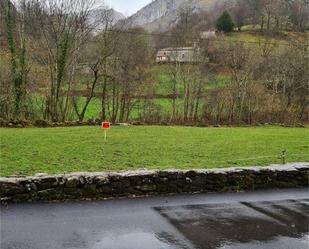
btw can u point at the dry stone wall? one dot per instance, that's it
(142, 183)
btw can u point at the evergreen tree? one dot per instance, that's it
(225, 23)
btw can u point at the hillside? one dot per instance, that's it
(99, 17)
(161, 15)
(154, 11)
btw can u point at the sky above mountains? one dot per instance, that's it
(127, 7)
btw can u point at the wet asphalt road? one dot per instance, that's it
(268, 219)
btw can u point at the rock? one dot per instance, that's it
(161, 180)
(41, 123)
(41, 175)
(73, 182)
(82, 180)
(31, 187)
(90, 189)
(136, 180)
(89, 179)
(106, 190)
(148, 187)
(49, 194)
(101, 180)
(174, 175)
(122, 124)
(147, 180)
(11, 189)
(61, 181)
(163, 174)
(117, 185)
(188, 180)
(73, 193)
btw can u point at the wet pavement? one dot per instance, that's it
(263, 219)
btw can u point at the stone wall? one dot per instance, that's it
(143, 183)
(97, 122)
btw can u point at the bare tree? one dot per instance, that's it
(239, 61)
(129, 72)
(299, 14)
(240, 14)
(64, 29)
(98, 60)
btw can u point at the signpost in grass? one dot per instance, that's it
(106, 126)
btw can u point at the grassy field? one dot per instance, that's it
(59, 150)
(251, 36)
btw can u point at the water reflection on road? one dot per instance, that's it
(277, 225)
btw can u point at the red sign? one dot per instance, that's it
(106, 125)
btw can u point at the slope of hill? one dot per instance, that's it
(154, 11)
(161, 15)
(101, 15)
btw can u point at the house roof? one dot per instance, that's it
(177, 49)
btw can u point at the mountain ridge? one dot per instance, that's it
(160, 15)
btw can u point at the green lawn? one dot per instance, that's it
(59, 150)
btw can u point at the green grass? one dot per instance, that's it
(93, 110)
(59, 150)
(283, 38)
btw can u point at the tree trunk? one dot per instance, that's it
(104, 98)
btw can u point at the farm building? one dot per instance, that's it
(183, 55)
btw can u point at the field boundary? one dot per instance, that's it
(97, 122)
(79, 186)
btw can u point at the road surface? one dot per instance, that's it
(265, 219)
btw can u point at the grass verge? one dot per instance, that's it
(60, 150)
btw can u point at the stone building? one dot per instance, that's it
(182, 55)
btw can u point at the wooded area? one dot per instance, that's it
(55, 63)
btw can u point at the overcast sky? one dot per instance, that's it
(127, 7)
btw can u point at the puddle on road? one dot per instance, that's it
(243, 225)
(140, 240)
(279, 242)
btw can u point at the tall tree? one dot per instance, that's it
(225, 23)
(98, 59)
(17, 46)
